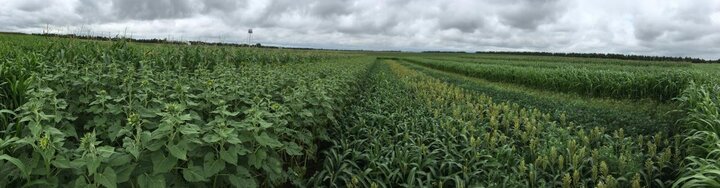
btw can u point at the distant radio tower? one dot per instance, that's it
(250, 36)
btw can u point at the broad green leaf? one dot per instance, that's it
(108, 178)
(42, 182)
(264, 124)
(213, 167)
(26, 119)
(155, 145)
(161, 163)
(293, 149)
(243, 178)
(188, 129)
(35, 129)
(256, 159)
(147, 113)
(178, 151)
(228, 113)
(119, 159)
(211, 138)
(224, 132)
(265, 140)
(240, 150)
(54, 131)
(193, 174)
(92, 163)
(306, 113)
(244, 182)
(105, 151)
(80, 182)
(124, 172)
(233, 140)
(163, 130)
(147, 181)
(229, 156)
(273, 164)
(61, 162)
(131, 147)
(185, 117)
(113, 109)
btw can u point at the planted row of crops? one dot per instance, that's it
(117, 115)
(616, 66)
(575, 60)
(635, 117)
(662, 86)
(701, 103)
(413, 130)
(100, 114)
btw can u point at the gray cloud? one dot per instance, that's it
(32, 5)
(155, 9)
(530, 14)
(462, 17)
(684, 28)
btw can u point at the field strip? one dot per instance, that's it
(634, 116)
(609, 66)
(551, 63)
(661, 86)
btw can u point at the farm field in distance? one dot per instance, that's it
(92, 113)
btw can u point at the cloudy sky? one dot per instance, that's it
(650, 27)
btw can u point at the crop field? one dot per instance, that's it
(89, 113)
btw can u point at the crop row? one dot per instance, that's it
(117, 115)
(579, 60)
(660, 86)
(701, 103)
(635, 117)
(560, 63)
(412, 130)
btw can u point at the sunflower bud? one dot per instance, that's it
(44, 141)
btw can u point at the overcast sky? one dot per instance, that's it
(651, 27)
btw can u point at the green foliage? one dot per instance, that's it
(620, 83)
(412, 130)
(635, 117)
(118, 114)
(702, 165)
(15, 80)
(93, 114)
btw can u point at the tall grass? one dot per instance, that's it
(15, 80)
(702, 166)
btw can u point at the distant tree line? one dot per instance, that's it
(454, 52)
(607, 55)
(165, 41)
(154, 40)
